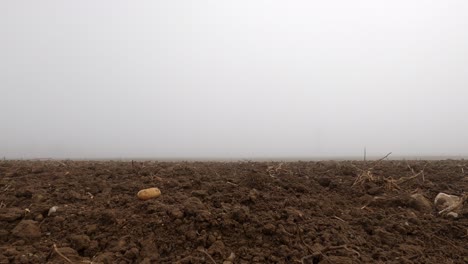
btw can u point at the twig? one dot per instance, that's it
(233, 184)
(336, 217)
(209, 256)
(61, 255)
(6, 188)
(379, 160)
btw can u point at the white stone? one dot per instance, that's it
(443, 201)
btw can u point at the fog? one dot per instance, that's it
(233, 79)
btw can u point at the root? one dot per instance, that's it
(345, 247)
(330, 248)
(309, 249)
(208, 255)
(61, 255)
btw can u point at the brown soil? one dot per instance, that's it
(244, 212)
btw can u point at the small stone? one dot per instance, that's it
(39, 217)
(52, 210)
(443, 201)
(231, 257)
(38, 198)
(453, 214)
(253, 195)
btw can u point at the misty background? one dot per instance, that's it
(233, 79)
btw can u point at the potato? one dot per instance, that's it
(149, 193)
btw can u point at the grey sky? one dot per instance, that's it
(233, 79)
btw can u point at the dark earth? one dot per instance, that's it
(231, 212)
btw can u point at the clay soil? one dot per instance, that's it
(240, 212)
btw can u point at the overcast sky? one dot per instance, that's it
(233, 79)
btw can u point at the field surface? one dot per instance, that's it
(239, 212)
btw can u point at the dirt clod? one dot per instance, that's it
(28, 229)
(80, 242)
(420, 203)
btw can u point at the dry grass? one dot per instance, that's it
(389, 183)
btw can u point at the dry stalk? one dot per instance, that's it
(392, 184)
(275, 171)
(215, 172)
(365, 176)
(405, 179)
